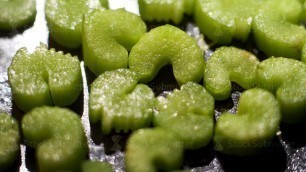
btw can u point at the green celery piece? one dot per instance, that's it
(149, 150)
(165, 10)
(162, 10)
(120, 102)
(45, 77)
(167, 45)
(108, 36)
(16, 13)
(65, 18)
(256, 122)
(188, 113)
(303, 58)
(96, 166)
(226, 65)
(276, 31)
(189, 6)
(9, 144)
(58, 136)
(287, 79)
(224, 20)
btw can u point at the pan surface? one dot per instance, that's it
(287, 152)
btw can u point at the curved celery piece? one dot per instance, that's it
(286, 78)
(226, 65)
(165, 10)
(167, 45)
(151, 149)
(96, 166)
(108, 36)
(64, 19)
(189, 114)
(9, 145)
(120, 102)
(303, 58)
(223, 20)
(256, 122)
(58, 136)
(16, 13)
(45, 77)
(189, 6)
(276, 31)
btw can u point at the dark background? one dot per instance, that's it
(285, 153)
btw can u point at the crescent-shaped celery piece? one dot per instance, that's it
(276, 31)
(224, 20)
(287, 79)
(58, 136)
(167, 45)
(188, 113)
(165, 10)
(44, 77)
(65, 18)
(16, 13)
(108, 36)
(226, 65)
(189, 6)
(96, 166)
(149, 150)
(120, 102)
(9, 144)
(256, 122)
